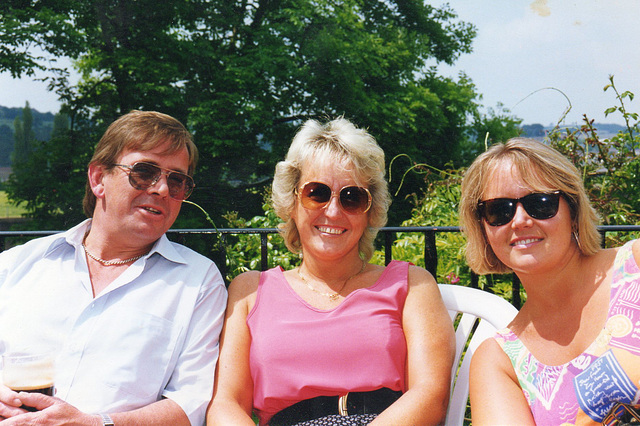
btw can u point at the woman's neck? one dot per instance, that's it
(572, 284)
(333, 273)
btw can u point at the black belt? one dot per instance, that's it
(373, 402)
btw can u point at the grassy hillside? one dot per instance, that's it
(9, 210)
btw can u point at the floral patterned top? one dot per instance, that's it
(582, 391)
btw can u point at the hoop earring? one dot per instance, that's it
(575, 237)
(487, 259)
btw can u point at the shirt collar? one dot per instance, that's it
(75, 236)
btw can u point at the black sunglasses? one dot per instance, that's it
(316, 195)
(538, 205)
(144, 175)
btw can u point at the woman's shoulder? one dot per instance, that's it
(613, 259)
(622, 253)
(636, 250)
(420, 276)
(423, 286)
(490, 350)
(244, 285)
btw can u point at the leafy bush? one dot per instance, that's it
(610, 167)
(243, 250)
(438, 206)
(611, 172)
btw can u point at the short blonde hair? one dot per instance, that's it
(343, 143)
(543, 169)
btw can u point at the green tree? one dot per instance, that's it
(31, 29)
(610, 170)
(243, 76)
(61, 125)
(497, 125)
(51, 182)
(6, 145)
(24, 136)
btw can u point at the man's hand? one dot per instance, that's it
(51, 411)
(9, 403)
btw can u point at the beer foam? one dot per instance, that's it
(33, 374)
(19, 388)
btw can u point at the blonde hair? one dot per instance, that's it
(343, 143)
(541, 168)
(139, 131)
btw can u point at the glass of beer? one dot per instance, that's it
(29, 372)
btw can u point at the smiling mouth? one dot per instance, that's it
(526, 241)
(152, 210)
(328, 230)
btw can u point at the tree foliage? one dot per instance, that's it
(31, 29)
(51, 181)
(6, 145)
(610, 167)
(24, 136)
(243, 75)
(611, 174)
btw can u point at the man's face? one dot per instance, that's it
(139, 217)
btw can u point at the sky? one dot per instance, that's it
(535, 57)
(525, 47)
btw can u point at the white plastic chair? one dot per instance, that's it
(470, 305)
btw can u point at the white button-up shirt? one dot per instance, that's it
(152, 333)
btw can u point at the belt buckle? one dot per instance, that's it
(342, 405)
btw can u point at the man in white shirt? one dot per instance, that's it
(135, 318)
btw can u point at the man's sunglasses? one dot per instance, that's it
(538, 205)
(144, 175)
(316, 195)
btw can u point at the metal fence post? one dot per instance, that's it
(431, 253)
(389, 237)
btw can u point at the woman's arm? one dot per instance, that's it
(496, 396)
(430, 339)
(636, 250)
(232, 401)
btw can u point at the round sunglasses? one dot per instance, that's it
(317, 195)
(144, 175)
(538, 205)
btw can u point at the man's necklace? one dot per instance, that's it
(109, 262)
(331, 296)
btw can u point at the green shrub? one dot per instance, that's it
(611, 173)
(610, 167)
(243, 250)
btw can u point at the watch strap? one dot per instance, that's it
(106, 420)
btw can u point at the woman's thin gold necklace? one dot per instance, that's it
(331, 296)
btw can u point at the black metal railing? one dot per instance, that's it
(389, 235)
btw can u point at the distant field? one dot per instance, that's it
(7, 209)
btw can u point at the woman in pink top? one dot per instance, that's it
(336, 340)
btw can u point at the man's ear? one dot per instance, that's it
(96, 175)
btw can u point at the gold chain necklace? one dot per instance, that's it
(331, 296)
(108, 262)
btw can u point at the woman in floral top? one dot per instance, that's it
(573, 350)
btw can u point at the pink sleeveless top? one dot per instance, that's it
(300, 352)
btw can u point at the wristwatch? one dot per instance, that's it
(106, 420)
